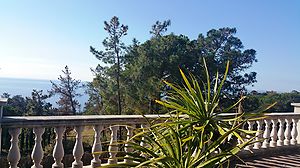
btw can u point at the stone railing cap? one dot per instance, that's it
(3, 101)
(295, 104)
(34, 121)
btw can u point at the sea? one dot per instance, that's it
(24, 87)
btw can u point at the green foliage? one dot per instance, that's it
(37, 105)
(153, 61)
(67, 90)
(160, 27)
(16, 105)
(97, 95)
(113, 57)
(221, 45)
(197, 134)
(255, 100)
(158, 59)
(138, 70)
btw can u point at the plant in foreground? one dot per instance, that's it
(197, 134)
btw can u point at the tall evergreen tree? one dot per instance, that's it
(113, 55)
(159, 58)
(155, 60)
(143, 66)
(160, 27)
(97, 90)
(67, 91)
(218, 47)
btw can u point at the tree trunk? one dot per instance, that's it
(118, 82)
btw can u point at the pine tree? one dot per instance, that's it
(67, 91)
(113, 54)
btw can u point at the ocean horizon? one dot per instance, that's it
(24, 87)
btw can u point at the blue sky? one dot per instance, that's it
(38, 38)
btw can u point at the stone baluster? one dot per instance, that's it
(97, 147)
(273, 134)
(266, 134)
(14, 156)
(287, 132)
(294, 132)
(258, 135)
(280, 132)
(127, 148)
(250, 127)
(58, 151)
(78, 148)
(113, 146)
(37, 152)
(143, 144)
(143, 127)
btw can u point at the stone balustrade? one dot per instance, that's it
(275, 130)
(59, 123)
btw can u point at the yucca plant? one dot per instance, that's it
(198, 133)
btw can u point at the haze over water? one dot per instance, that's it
(24, 87)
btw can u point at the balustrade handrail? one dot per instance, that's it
(75, 120)
(86, 120)
(282, 114)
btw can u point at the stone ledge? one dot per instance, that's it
(85, 120)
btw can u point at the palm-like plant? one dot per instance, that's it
(198, 133)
